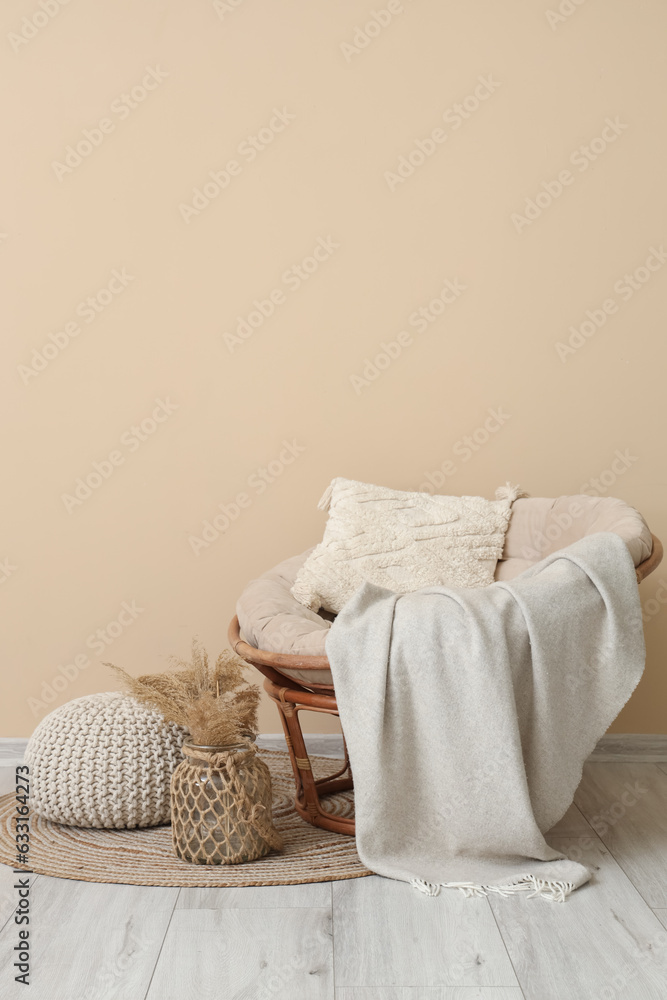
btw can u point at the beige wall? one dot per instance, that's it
(342, 105)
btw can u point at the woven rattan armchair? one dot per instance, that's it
(301, 681)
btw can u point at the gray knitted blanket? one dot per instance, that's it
(468, 715)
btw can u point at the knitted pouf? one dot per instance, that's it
(104, 760)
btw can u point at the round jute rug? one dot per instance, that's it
(145, 857)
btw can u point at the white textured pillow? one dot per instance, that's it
(402, 541)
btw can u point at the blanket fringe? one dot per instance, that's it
(551, 890)
(511, 493)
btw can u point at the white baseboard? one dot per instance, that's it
(319, 744)
(630, 748)
(637, 748)
(324, 744)
(12, 750)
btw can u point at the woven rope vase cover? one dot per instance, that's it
(104, 760)
(221, 806)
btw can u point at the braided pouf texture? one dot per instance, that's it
(104, 760)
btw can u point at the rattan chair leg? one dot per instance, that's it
(287, 719)
(308, 789)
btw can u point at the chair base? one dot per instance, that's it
(310, 790)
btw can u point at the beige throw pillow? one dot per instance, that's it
(402, 541)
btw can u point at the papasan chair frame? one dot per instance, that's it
(291, 697)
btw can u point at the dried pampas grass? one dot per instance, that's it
(215, 704)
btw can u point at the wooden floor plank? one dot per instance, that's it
(662, 916)
(573, 824)
(8, 894)
(386, 933)
(7, 778)
(604, 937)
(626, 804)
(89, 941)
(245, 954)
(431, 993)
(312, 894)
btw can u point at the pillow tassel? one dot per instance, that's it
(511, 493)
(325, 500)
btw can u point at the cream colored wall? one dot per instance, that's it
(345, 94)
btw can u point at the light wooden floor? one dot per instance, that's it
(373, 938)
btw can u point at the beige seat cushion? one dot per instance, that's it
(540, 526)
(272, 619)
